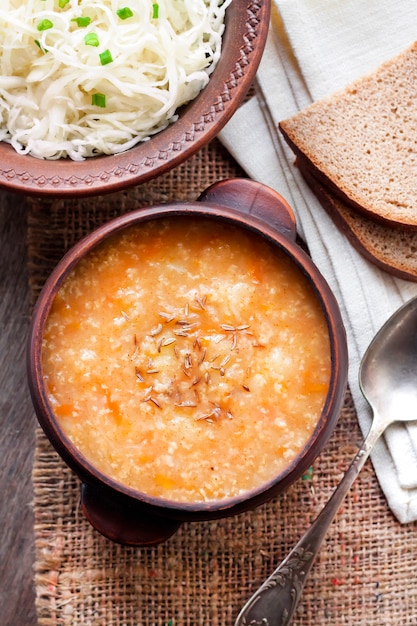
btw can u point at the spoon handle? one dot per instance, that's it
(276, 600)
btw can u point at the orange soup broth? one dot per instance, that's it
(187, 359)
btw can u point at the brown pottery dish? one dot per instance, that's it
(130, 516)
(199, 122)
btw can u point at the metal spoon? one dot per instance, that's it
(388, 380)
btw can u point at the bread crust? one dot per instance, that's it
(392, 250)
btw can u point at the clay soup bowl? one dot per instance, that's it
(134, 518)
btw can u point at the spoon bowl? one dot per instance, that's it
(387, 378)
(388, 372)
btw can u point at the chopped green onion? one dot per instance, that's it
(82, 22)
(155, 11)
(91, 40)
(40, 46)
(124, 13)
(105, 57)
(98, 99)
(62, 3)
(44, 25)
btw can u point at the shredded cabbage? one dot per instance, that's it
(72, 87)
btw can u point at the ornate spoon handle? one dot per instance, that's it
(276, 600)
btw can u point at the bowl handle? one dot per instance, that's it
(256, 199)
(122, 522)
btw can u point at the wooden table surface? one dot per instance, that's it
(17, 430)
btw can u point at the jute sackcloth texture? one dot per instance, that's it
(366, 571)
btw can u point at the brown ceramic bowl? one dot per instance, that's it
(132, 517)
(199, 122)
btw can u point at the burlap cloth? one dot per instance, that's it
(365, 574)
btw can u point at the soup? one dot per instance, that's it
(187, 358)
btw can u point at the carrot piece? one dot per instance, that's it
(64, 410)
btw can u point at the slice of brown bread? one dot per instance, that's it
(361, 142)
(392, 249)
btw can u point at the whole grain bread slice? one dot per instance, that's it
(361, 142)
(391, 249)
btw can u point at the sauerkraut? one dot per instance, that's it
(80, 78)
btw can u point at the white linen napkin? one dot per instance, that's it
(315, 47)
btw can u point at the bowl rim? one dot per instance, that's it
(205, 117)
(338, 352)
